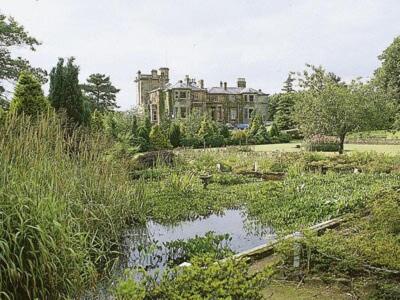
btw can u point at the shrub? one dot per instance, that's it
(28, 96)
(204, 279)
(322, 143)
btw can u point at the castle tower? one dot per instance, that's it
(148, 82)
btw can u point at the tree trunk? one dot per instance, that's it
(341, 143)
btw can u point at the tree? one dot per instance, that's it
(288, 84)
(158, 140)
(65, 94)
(28, 96)
(283, 116)
(13, 35)
(315, 78)
(175, 135)
(101, 92)
(255, 124)
(387, 76)
(274, 131)
(337, 110)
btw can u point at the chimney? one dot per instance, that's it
(225, 86)
(187, 79)
(241, 82)
(154, 73)
(201, 83)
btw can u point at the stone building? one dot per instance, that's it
(225, 104)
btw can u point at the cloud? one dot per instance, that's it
(213, 40)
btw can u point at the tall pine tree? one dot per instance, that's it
(65, 93)
(100, 92)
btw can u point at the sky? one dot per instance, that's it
(214, 40)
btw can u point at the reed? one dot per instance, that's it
(62, 208)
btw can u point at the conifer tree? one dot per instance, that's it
(28, 96)
(158, 140)
(175, 135)
(100, 92)
(65, 94)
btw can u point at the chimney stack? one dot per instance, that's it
(220, 84)
(187, 79)
(225, 86)
(241, 82)
(201, 83)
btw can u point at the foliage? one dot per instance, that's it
(204, 279)
(284, 111)
(12, 35)
(322, 143)
(209, 133)
(65, 93)
(239, 137)
(175, 135)
(100, 92)
(62, 206)
(28, 96)
(216, 246)
(365, 246)
(274, 131)
(157, 139)
(387, 76)
(338, 110)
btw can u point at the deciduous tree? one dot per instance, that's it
(338, 109)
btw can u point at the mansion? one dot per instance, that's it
(234, 105)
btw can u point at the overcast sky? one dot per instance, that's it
(208, 39)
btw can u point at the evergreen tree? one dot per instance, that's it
(283, 116)
(65, 94)
(274, 131)
(288, 84)
(175, 135)
(255, 124)
(28, 96)
(100, 92)
(158, 140)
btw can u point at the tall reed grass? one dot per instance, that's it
(62, 208)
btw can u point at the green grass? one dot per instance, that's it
(291, 147)
(62, 209)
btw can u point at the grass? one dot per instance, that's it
(62, 209)
(291, 147)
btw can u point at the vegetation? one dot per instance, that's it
(62, 208)
(100, 92)
(204, 279)
(28, 97)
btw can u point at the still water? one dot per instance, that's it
(244, 233)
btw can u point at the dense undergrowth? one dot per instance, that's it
(62, 209)
(64, 206)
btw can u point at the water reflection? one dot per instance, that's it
(144, 245)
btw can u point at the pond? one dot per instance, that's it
(144, 245)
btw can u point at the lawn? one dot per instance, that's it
(291, 147)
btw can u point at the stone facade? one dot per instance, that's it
(233, 105)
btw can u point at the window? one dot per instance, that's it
(233, 113)
(183, 112)
(154, 113)
(250, 112)
(246, 98)
(251, 98)
(245, 113)
(182, 95)
(220, 113)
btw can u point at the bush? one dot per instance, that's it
(204, 279)
(322, 143)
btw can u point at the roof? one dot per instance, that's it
(234, 91)
(183, 85)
